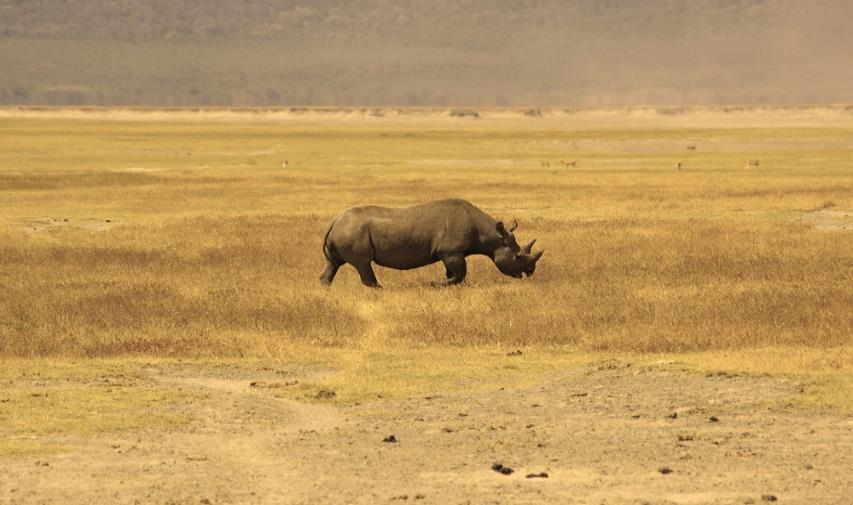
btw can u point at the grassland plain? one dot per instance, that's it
(188, 238)
(132, 241)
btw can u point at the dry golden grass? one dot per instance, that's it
(212, 249)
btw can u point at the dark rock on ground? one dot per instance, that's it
(502, 469)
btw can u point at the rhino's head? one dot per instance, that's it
(511, 259)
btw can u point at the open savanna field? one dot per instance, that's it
(164, 336)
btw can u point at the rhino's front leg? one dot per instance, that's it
(456, 269)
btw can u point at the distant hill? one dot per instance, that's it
(422, 53)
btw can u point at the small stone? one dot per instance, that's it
(204, 501)
(769, 497)
(674, 415)
(420, 496)
(505, 470)
(714, 419)
(540, 475)
(391, 439)
(665, 470)
(516, 352)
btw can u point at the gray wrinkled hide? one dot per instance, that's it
(412, 237)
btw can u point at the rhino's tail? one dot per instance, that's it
(327, 248)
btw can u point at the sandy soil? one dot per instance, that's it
(830, 220)
(603, 434)
(45, 224)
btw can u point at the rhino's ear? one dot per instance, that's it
(500, 229)
(513, 226)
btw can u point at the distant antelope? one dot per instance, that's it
(691, 147)
(750, 164)
(678, 165)
(283, 163)
(568, 164)
(544, 164)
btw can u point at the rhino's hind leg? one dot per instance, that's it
(328, 274)
(368, 278)
(457, 269)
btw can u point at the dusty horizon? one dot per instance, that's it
(371, 53)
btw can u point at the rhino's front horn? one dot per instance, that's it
(538, 255)
(528, 247)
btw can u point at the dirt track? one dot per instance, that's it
(602, 434)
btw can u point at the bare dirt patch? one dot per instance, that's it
(830, 219)
(600, 433)
(138, 170)
(47, 224)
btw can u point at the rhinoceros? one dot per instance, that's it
(412, 237)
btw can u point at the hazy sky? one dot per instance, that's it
(427, 52)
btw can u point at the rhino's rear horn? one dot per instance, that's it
(528, 247)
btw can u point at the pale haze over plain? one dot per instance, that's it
(575, 53)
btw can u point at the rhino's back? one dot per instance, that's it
(430, 218)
